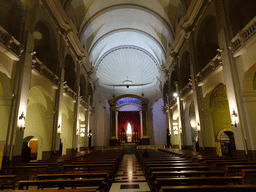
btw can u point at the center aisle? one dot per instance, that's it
(129, 176)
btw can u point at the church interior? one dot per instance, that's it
(126, 94)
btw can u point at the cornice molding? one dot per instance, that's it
(67, 30)
(184, 29)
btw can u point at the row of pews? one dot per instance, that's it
(180, 170)
(88, 170)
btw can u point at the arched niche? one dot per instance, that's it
(70, 74)
(207, 42)
(240, 13)
(46, 45)
(39, 120)
(220, 114)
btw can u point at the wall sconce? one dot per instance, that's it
(175, 128)
(89, 134)
(22, 121)
(234, 118)
(193, 123)
(198, 126)
(175, 94)
(82, 130)
(59, 130)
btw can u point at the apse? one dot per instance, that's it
(129, 119)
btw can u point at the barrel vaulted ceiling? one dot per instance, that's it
(126, 40)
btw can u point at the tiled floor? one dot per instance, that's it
(130, 177)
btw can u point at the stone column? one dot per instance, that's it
(22, 73)
(76, 108)
(56, 132)
(141, 124)
(113, 125)
(117, 124)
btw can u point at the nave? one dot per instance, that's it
(157, 170)
(129, 176)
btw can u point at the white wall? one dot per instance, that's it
(159, 123)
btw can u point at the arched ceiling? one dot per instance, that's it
(126, 40)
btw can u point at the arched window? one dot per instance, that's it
(46, 46)
(241, 12)
(207, 42)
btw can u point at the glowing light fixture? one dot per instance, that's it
(175, 128)
(82, 130)
(234, 118)
(22, 121)
(129, 129)
(59, 130)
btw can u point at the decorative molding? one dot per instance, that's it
(41, 69)
(121, 47)
(67, 29)
(244, 39)
(249, 96)
(184, 28)
(212, 67)
(69, 92)
(188, 89)
(9, 45)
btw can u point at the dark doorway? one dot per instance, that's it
(227, 142)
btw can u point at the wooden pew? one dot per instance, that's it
(25, 172)
(237, 169)
(98, 162)
(158, 174)
(41, 184)
(104, 175)
(181, 168)
(170, 165)
(90, 167)
(249, 176)
(7, 182)
(203, 188)
(196, 181)
(58, 190)
(222, 165)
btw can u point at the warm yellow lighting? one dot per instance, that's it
(234, 118)
(129, 129)
(82, 130)
(22, 121)
(193, 123)
(175, 94)
(59, 130)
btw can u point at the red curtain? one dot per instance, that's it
(132, 117)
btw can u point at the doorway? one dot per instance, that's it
(29, 149)
(227, 142)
